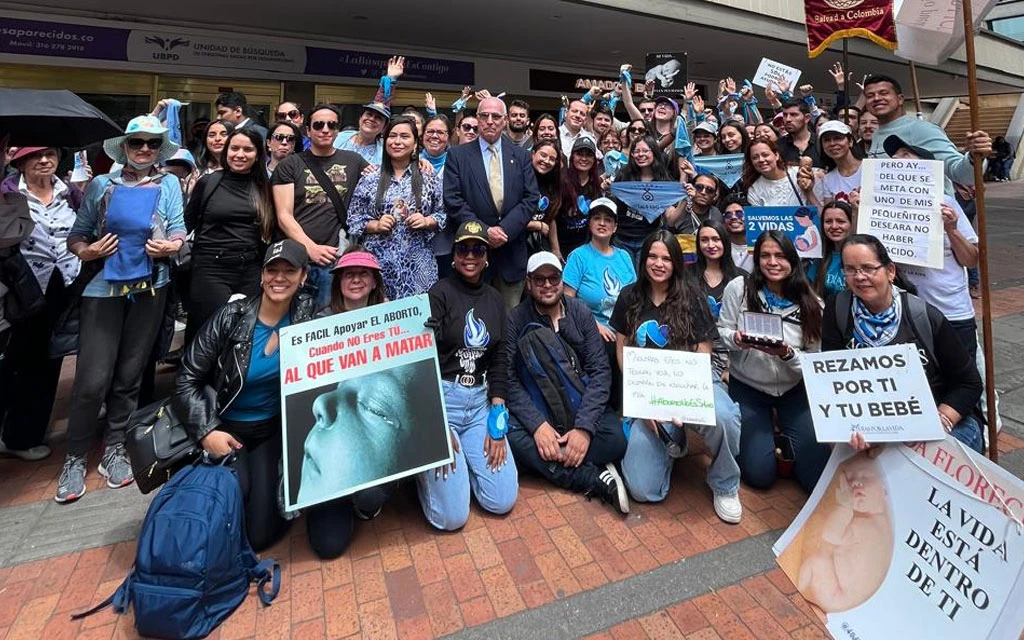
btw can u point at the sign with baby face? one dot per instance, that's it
(882, 393)
(925, 539)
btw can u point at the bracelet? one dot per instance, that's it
(947, 424)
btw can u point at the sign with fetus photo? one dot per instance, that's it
(923, 538)
(362, 401)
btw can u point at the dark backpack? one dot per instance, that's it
(193, 562)
(916, 307)
(550, 371)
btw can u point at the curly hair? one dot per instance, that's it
(679, 310)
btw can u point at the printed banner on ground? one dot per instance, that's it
(882, 393)
(831, 20)
(770, 73)
(650, 199)
(667, 71)
(661, 385)
(901, 204)
(362, 400)
(914, 539)
(800, 224)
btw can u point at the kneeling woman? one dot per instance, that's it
(877, 313)
(228, 390)
(469, 321)
(763, 378)
(664, 310)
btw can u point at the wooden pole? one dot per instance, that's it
(917, 91)
(979, 200)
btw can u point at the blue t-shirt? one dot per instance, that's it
(598, 279)
(835, 280)
(260, 398)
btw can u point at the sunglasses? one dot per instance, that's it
(637, 130)
(703, 188)
(468, 127)
(137, 143)
(284, 137)
(291, 115)
(330, 124)
(728, 215)
(476, 250)
(647, 110)
(551, 281)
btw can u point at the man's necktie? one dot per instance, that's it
(494, 179)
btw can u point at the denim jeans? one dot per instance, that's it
(647, 467)
(968, 431)
(445, 501)
(318, 284)
(757, 435)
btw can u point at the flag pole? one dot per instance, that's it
(846, 70)
(979, 200)
(917, 92)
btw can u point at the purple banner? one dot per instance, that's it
(34, 38)
(361, 64)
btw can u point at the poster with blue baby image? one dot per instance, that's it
(362, 401)
(802, 225)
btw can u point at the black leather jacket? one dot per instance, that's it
(218, 361)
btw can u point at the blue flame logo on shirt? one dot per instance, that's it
(656, 333)
(475, 333)
(715, 306)
(612, 286)
(543, 203)
(583, 205)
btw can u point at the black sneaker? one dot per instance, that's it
(610, 488)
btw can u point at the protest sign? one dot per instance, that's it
(919, 539)
(883, 393)
(799, 224)
(668, 71)
(362, 401)
(901, 204)
(649, 199)
(662, 384)
(770, 73)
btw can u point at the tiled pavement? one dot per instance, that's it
(557, 566)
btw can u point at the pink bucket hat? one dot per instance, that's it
(357, 259)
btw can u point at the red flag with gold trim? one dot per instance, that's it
(830, 20)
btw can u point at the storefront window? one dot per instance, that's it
(1009, 27)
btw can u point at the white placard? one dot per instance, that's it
(660, 384)
(901, 204)
(770, 73)
(881, 392)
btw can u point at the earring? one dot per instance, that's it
(486, 264)
(453, 264)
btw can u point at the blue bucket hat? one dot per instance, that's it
(114, 147)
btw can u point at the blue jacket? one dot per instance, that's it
(467, 196)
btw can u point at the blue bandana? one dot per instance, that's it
(876, 329)
(775, 302)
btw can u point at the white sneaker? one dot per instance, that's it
(729, 508)
(31, 454)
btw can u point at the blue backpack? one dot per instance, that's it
(193, 563)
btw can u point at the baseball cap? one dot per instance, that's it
(605, 203)
(541, 259)
(834, 126)
(357, 259)
(669, 101)
(893, 144)
(288, 250)
(584, 143)
(708, 127)
(471, 230)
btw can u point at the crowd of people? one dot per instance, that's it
(505, 218)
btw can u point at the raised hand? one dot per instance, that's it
(429, 102)
(838, 75)
(730, 85)
(690, 90)
(396, 67)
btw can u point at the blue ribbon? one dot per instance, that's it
(650, 199)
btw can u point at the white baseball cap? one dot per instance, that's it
(543, 258)
(834, 126)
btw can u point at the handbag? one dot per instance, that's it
(158, 445)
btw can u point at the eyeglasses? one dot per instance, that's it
(137, 143)
(435, 132)
(637, 130)
(288, 115)
(868, 270)
(728, 215)
(330, 124)
(476, 250)
(469, 127)
(703, 188)
(284, 137)
(551, 281)
(489, 116)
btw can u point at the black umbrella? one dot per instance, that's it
(40, 118)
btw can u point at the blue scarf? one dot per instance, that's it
(437, 163)
(877, 329)
(649, 199)
(728, 167)
(775, 302)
